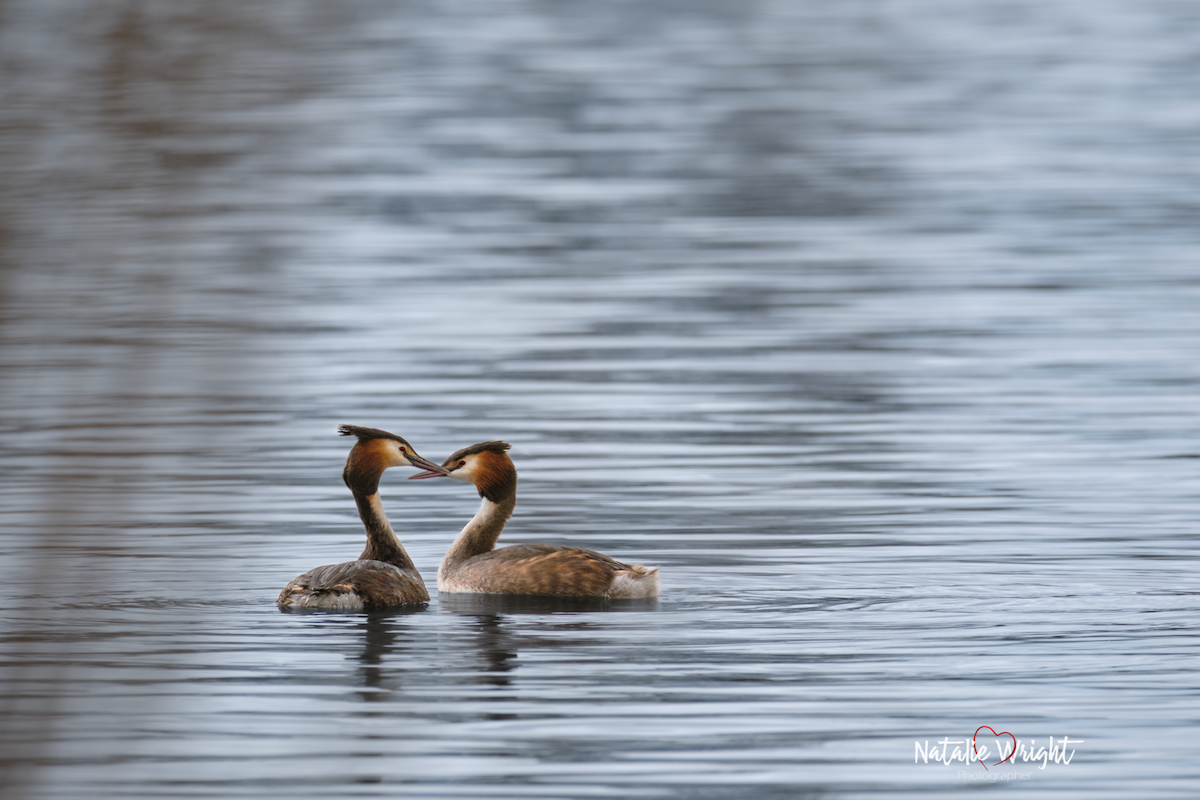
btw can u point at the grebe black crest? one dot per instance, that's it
(474, 566)
(383, 575)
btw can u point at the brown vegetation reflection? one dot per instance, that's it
(116, 362)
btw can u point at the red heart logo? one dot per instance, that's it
(1005, 733)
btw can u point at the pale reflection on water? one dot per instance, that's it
(872, 325)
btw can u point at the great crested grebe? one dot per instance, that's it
(473, 566)
(383, 575)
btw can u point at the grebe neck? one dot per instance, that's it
(382, 544)
(481, 533)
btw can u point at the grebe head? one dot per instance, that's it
(486, 465)
(374, 452)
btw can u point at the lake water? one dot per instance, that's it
(874, 325)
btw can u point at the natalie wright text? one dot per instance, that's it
(964, 752)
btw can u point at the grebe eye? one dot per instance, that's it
(403, 450)
(462, 463)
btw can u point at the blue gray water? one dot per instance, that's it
(874, 325)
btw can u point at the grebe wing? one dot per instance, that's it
(543, 569)
(373, 583)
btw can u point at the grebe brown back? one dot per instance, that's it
(473, 565)
(383, 575)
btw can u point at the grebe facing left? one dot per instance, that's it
(383, 575)
(473, 565)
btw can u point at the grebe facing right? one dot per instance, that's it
(473, 566)
(383, 575)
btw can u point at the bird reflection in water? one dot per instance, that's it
(386, 640)
(498, 643)
(384, 635)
